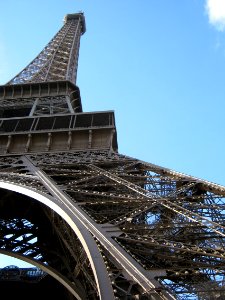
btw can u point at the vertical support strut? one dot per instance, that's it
(82, 224)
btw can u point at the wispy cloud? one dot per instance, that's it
(216, 13)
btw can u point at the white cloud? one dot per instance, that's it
(216, 13)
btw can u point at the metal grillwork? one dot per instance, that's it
(170, 223)
(58, 60)
(104, 225)
(13, 273)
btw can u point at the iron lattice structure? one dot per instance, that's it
(105, 225)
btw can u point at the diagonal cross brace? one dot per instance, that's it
(163, 201)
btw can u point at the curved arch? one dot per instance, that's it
(66, 283)
(97, 264)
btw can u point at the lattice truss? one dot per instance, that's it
(36, 106)
(51, 105)
(59, 59)
(170, 223)
(36, 232)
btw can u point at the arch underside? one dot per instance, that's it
(35, 233)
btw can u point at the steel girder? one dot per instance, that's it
(20, 237)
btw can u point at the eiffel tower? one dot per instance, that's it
(101, 224)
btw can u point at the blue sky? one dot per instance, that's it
(160, 65)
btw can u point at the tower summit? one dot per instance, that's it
(101, 224)
(79, 17)
(59, 59)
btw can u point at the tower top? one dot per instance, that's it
(58, 61)
(77, 16)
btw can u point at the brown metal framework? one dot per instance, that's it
(58, 60)
(104, 225)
